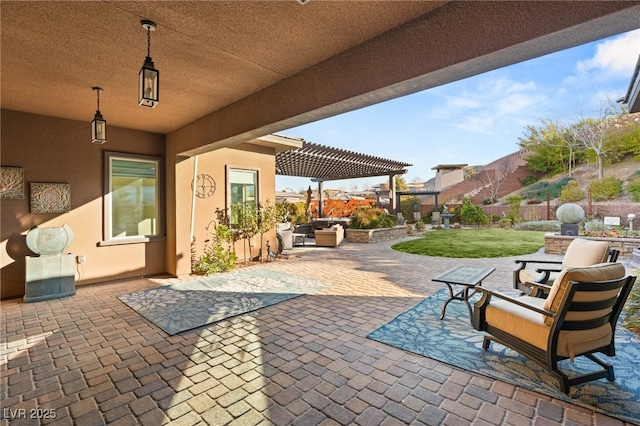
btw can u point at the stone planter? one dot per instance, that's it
(376, 235)
(557, 244)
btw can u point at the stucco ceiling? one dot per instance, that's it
(209, 53)
(275, 63)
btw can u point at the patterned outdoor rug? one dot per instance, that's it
(184, 306)
(455, 342)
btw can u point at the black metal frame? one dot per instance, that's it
(549, 358)
(529, 288)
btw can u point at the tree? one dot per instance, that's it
(268, 215)
(558, 135)
(401, 184)
(553, 147)
(592, 133)
(493, 180)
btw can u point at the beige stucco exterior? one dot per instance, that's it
(55, 150)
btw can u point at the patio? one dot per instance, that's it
(92, 360)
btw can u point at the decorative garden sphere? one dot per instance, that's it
(570, 213)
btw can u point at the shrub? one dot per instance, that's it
(554, 189)
(606, 189)
(529, 180)
(633, 186)
(488, 201)
(539, 225)
(367, 218)
(216, 258)
(504, 223)
(514, 208)
(594, 225)
(571, 192)
(294, 212)
(471, 214)
(532, 192)
(420, 225)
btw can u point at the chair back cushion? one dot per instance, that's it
(599, 272)
(583, 252)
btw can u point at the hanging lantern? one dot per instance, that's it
(149, 81)
(99, 124)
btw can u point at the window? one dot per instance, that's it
(243, 193)
(133, 197)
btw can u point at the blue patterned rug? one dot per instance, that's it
(184, 306)
(453, 341)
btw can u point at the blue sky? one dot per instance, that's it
(479, 119)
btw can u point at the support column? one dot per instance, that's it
(392, 194)
(320, 199)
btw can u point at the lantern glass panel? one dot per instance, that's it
(98, 131)
(148, 87)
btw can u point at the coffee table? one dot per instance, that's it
(466, 276)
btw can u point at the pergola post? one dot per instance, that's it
(392, 193)
(320, 199)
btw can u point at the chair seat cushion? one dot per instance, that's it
(530, 327)
(522, 323)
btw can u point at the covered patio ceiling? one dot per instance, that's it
(324, 163)
(233, 71)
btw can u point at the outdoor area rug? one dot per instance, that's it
(455, 342)
(187, 305)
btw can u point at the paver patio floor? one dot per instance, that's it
(91, 360)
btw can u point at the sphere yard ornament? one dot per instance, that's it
(570, 215)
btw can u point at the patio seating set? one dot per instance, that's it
(329, 236)
(561, 313)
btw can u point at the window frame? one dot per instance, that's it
(229, 170)
(107, 209)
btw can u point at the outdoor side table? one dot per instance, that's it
(466, 276)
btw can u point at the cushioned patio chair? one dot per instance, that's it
(329, 237)
(578, 318)
(580, 252)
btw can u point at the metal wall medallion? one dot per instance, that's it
(204, 185)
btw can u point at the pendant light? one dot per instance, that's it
(149, 84)
(99, 124)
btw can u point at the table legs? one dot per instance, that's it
(462, 295)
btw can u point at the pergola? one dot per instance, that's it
(322, 163)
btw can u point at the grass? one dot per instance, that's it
(474, 243)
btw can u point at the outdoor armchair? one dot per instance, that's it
(330, 237)
(580, 252)
(578, 318)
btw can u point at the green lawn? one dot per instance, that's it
(474, 243)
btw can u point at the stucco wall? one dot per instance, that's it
(56, 150)
(215, 164)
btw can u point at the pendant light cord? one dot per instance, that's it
(148, 42)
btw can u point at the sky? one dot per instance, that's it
(479, 119)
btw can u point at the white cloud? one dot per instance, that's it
(490, 105)
(614, 57)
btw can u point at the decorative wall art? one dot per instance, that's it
(11, 183)
(50, 197)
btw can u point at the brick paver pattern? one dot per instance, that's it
(90, 360)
